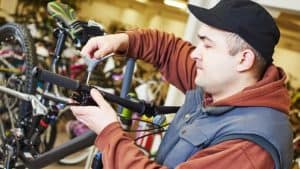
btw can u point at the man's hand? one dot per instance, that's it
(100, 46)
(95, 117)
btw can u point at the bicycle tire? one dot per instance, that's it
(16, 42)
(23, 37)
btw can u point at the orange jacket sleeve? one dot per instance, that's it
(169, 54)
(120, 152)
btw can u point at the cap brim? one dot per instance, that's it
(208, 17)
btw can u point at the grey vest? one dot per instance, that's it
(194, 128)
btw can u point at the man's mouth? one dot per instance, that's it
(199, 67)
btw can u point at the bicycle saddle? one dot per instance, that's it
(62, 12)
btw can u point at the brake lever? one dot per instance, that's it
(82, 98)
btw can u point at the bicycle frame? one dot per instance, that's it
(44, 159)
(83, 141)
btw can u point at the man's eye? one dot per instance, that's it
(207, 46)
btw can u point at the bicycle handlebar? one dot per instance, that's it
(59, 80)
(83, 94)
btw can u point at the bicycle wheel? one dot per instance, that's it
(17, 59)
(17, 55)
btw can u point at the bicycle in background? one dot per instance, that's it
(21, 116)
(28, 114)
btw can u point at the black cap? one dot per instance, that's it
(245, 18)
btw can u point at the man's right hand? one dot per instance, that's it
(100, 46)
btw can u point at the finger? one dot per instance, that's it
(90, 47)
(98, 98)
(72, 101)
(82, 120)
(98, 54)
(77, 110)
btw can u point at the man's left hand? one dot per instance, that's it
(95, 117)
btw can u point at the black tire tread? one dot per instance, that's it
(22, 34)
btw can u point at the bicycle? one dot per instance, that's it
(24, 141)
(16, 46)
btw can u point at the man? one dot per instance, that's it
(235, 113)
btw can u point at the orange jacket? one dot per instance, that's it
(171, 56)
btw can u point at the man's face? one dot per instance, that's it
(216, 68)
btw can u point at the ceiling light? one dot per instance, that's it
(176, 4)
(142, 1)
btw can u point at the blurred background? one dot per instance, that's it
(166, 15)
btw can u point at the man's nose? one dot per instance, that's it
(196, 54)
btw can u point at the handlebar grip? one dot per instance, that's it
(53, 78)
(167, 109)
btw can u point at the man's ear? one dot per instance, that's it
(246, 59)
